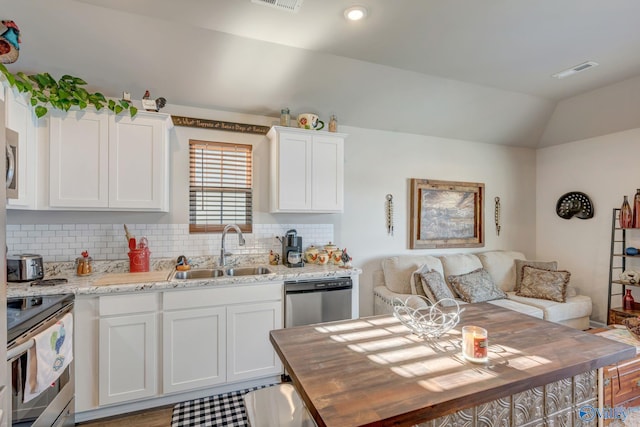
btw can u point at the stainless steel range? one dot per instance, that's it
(26, 318)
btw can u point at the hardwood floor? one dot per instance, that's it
(160, 417)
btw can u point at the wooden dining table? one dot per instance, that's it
(373, 371)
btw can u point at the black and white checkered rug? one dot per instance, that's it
(221, 410)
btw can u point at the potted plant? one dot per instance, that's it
(61, 94)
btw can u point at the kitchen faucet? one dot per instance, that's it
(223, 251)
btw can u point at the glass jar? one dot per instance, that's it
(626, 216)
(285, 117)
(333, 124)
(84, 266)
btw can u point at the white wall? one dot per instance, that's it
(603, 111)
(376, 163)
(605, 168)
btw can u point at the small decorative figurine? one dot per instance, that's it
(346, 259)
(182, 264)
(274, 258)
(126, 97)
(9, 42)
(151, 105)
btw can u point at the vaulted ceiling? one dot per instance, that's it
(474, 70)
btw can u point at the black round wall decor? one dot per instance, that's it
(575, 204)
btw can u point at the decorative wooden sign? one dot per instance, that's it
(218, 125)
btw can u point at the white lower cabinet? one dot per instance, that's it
(127, 348)
(158, 344)
(193, 348)
(249, 351)
(127, 358)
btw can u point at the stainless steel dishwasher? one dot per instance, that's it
(316, 301)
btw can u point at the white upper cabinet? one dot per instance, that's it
(20, 118)
(103, 161)
(307, 170)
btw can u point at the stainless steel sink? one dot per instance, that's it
(204, 273)
(209, 273)
(247, 271)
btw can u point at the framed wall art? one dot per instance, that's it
(446, 214)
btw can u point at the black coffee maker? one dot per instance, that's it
(292, 255)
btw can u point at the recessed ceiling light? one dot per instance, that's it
(355, 13)
(574, 70)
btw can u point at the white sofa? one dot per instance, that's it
(394, 280)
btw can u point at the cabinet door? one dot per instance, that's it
(249, 351)
(78, 159)
(138, 163)
(291, 177)
(21, 119)
(193, 348)
(327, 174)
(127, 358)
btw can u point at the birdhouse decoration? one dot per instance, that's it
(9, 42)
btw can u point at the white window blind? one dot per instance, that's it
(220, 187)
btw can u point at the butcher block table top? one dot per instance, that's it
(373, 372)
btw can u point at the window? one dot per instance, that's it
(220, 189)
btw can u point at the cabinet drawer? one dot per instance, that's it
(126, 304)
(181, 299)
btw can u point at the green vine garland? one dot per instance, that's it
(61, 94)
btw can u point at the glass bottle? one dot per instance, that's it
(626, 215)
(333, 125)
(636, 209)
(628, 303)
(285, 117)
(84, 266)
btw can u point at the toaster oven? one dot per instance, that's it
(24, 268)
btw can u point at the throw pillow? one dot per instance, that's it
(544, 284)
(476, 286)
(546, 265)
(416, 282)
(434, 285)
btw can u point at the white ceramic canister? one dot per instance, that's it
(311, 255)
(323, 257)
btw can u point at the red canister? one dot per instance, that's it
(139, 260)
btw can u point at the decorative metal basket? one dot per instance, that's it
(425, 318)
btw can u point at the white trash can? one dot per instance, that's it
(277, 406)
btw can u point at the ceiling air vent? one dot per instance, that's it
(578, 68)
(288, 5)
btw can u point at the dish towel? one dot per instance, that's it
(48, 358)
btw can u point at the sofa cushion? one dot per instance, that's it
(476, 286)
(544, 284)
(520, 307)
(434, 285)
(398, 269)
(502, 267)
(574, 307)
(547, 265)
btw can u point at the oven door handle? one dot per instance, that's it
(20, 349)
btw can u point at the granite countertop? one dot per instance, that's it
(94, 283)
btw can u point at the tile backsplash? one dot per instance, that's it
(65, 242)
